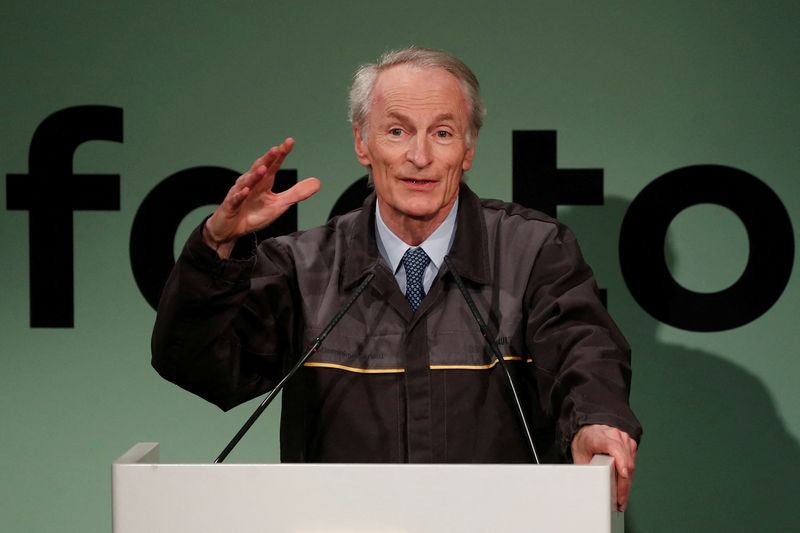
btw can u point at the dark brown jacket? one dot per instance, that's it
(389, 385)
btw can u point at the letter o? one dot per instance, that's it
(644, 230)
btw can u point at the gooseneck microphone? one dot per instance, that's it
(313, 349)
(487, 335)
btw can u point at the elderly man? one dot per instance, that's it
(405, 377)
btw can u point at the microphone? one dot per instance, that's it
(487, 335)
(315, 345)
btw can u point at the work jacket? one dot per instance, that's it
(389, 384)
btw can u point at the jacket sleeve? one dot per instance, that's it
(222, 325)
(581, 358)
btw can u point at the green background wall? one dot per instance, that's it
(635, 88)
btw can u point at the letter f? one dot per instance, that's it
(50, 193)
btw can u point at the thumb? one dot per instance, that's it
(300, 191)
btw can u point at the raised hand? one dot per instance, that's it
(250, 204)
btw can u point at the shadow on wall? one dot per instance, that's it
(715, 455)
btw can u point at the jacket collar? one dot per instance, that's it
(364, 256)
(470, 251)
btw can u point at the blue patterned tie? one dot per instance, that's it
(415, 261)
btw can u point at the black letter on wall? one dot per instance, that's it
(644, 265)
(538, 183)
(50, 193)
(163, 209)
(352, 198)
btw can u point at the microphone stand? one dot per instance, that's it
(313, 349)
(496, 351)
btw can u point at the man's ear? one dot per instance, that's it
(466, 164)
(360, 145)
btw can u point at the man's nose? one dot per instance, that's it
(419, 151)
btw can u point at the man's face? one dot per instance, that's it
(416, 142)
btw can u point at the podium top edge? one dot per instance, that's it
(148, 453)
(143, 452)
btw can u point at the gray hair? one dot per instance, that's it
(365, 77)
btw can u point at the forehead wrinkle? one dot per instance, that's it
(391, 112)
(402, 98)
(422, 101)
(403, 109)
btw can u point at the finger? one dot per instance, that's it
(625, 467)
(633, 446)
(300, 191)
(272, 154)
(251, 177)
(237, 198)
(623, 489)
(281, 151)
(242, 188)
(622, 458)
(265, 159)
(280, 202)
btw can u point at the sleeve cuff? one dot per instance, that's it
(232, 270)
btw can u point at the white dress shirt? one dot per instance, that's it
(437, 245)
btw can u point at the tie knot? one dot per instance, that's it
(415, 261)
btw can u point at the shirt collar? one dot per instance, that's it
(437, 245)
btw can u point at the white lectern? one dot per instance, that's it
(148, 497)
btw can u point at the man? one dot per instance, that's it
(405, 376)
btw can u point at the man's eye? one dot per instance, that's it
(443, 134)
(396, 132)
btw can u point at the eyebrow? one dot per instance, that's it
(438, 118)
